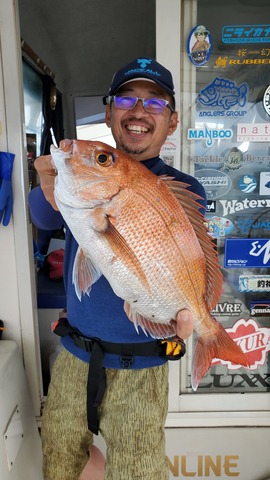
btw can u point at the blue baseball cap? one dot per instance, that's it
(143, 68)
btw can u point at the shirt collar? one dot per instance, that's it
(155, 164)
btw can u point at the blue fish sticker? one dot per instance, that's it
(247, 183)
(224, 94)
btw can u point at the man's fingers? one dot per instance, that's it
(184, 324)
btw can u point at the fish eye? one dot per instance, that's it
(104, 159)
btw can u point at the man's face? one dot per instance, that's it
(136, 132)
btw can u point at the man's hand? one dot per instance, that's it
(184, 324)
(46, 172)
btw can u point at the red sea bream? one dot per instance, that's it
(146, 235)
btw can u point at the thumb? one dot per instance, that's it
(184, 324)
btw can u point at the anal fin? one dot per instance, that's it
(154, 329)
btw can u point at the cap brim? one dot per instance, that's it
(145, 79)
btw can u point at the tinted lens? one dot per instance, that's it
(154, 105)
(150, 105)
(126, 103)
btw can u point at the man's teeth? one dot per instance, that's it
(137, 129)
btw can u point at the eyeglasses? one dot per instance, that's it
(150, 105)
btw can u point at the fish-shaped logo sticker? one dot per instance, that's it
(224, 94)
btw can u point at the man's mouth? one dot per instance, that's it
(137, 129)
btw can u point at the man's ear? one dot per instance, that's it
(108, 115)
(173, 123)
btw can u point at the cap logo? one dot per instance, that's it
(143, 62)
(142, 68)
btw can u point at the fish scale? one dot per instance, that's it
(146, 235)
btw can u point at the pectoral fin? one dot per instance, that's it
(84, 274)
(123, 251)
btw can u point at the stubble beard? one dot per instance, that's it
(131, 150)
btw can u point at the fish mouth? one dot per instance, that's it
(203, 99)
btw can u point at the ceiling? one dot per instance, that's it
(85, 41)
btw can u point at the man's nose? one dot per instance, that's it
(139, 106)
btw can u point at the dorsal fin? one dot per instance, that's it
(191, 206)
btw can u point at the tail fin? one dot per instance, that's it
(222, 346)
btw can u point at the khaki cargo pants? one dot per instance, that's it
(132, 418)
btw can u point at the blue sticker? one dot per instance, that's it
(265, 183)
(247, 252)
(246, 34)
(199, 45)
(224, 94)
(247, 183)
(246, 224)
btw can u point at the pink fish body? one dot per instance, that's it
(145, 234)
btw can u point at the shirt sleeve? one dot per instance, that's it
(42, 213)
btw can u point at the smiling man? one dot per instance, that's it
(141, 112)
(140, 109)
